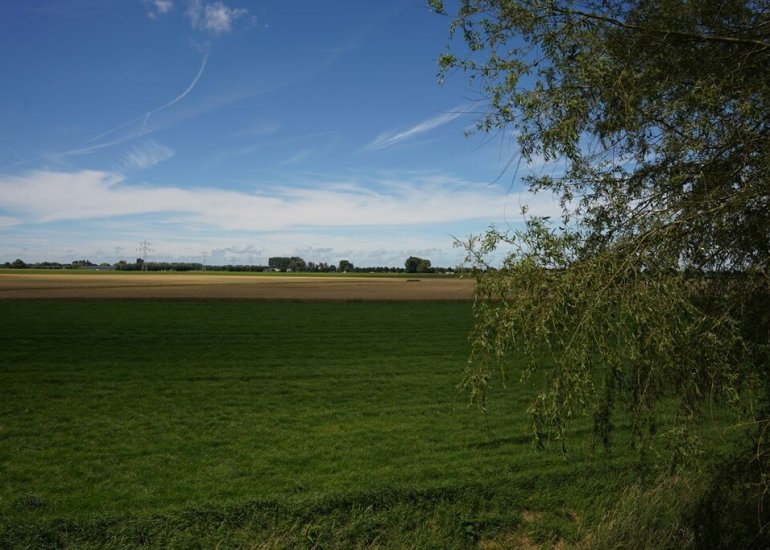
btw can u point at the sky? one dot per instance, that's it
(237, 130)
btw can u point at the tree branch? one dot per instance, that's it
(684, 34)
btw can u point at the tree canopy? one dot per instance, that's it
(655, 285)
(413, 264)
(284, 263)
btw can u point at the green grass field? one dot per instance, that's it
(270, 424)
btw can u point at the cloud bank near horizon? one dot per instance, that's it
(378, 221)
(40, 196)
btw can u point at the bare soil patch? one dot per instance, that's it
(233, 287)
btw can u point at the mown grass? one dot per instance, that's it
(171, 423)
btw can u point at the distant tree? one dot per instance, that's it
(297, 264)
(280, 263)
(284, 263)
(345, 266)
(411, 263)
(18, 264)
(82, 263)
(414, 264)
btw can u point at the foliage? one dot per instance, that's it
(611, 332)
(283, 263)
(709, 510)
(654, 290)
(414, 264)
(653, 518)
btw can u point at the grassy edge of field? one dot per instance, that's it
(456, 516)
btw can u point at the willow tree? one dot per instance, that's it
(654, 287)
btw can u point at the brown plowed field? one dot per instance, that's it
(228, 287)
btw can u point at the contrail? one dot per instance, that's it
(148, 114)
(385, 140)
(14, 163)
(187, 91)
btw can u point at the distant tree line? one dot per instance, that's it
(284, 264)
(75, 264)
(412, 264)
(141, 265)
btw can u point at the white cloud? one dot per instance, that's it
(146, 155)
(299, 156)
(8, 221)
(214, 18)
(45, 196)
(388, 139)
(158, 7)
(368, 220)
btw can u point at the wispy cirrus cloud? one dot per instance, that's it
(145, 155)
(388, 139)
(19, 160)
(299, 156)
(8, 221)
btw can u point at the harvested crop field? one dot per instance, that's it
(112, 285)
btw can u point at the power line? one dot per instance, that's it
(144, 248)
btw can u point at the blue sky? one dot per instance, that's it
(242, 128)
